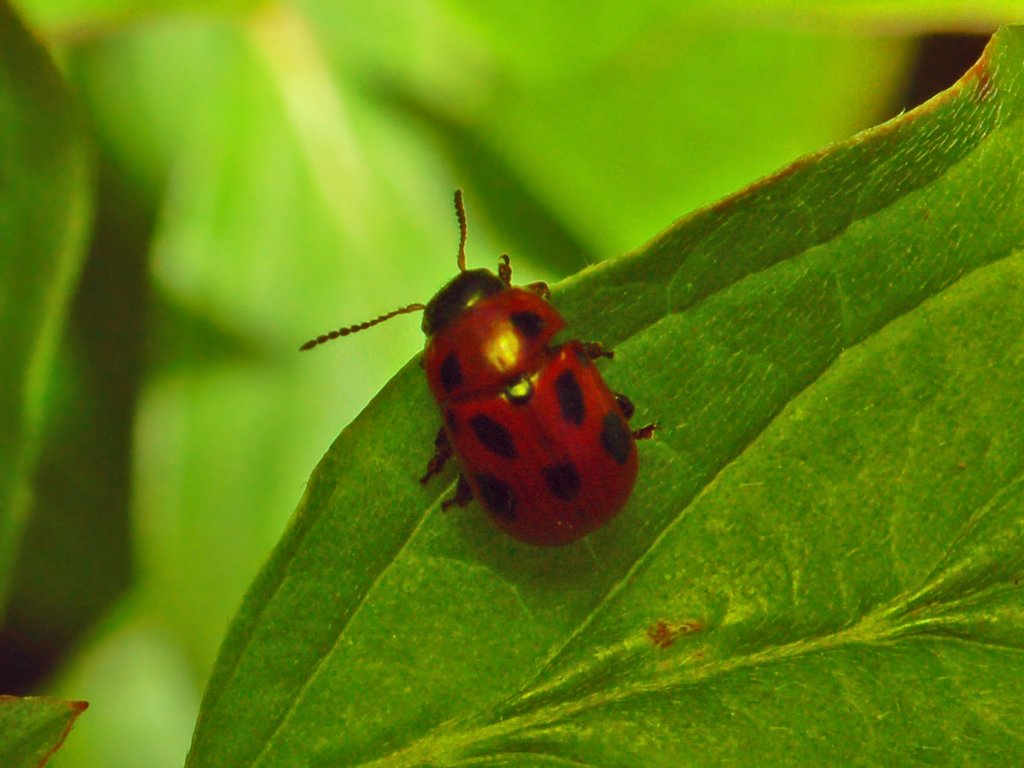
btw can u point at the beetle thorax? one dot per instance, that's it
(461, 293)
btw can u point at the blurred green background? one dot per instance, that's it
(265, 172)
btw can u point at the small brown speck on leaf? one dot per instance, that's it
(664, 633)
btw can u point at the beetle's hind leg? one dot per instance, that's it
(463, 494)
(442, 452)
(645, 432)
(625, 405)
(627, 408)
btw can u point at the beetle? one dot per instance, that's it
(542, 443)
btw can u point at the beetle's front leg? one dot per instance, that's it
(442, 452)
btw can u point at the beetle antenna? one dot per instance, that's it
(324, 338)
(460, 214)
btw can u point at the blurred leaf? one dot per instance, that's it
(44, 209)
(276, 223)
(77, 20)
(76, 549)
(142, 700)
(612, 119)
(903, 16)
(531, 227)
(822, 559)
(32, 729)
(718, 101)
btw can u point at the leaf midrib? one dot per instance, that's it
(357, 607)
(445, 747)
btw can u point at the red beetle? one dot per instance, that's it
(542, 443)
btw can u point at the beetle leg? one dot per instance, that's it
(626, 405)
(442, 452)
(627, 408)
(505, 275)
(595, 349)
(504, 269)
(645, 433)
(463, 494)
(540, 288)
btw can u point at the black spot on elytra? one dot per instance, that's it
(496, 496)
(530, 324)
(563, 480)
(451, 372)
(570, 397)
(452, 421)
(615, 438)
(494, 437)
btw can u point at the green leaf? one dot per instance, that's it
(44, 211)
(32, 729)
(822, 559)
(75, 20)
